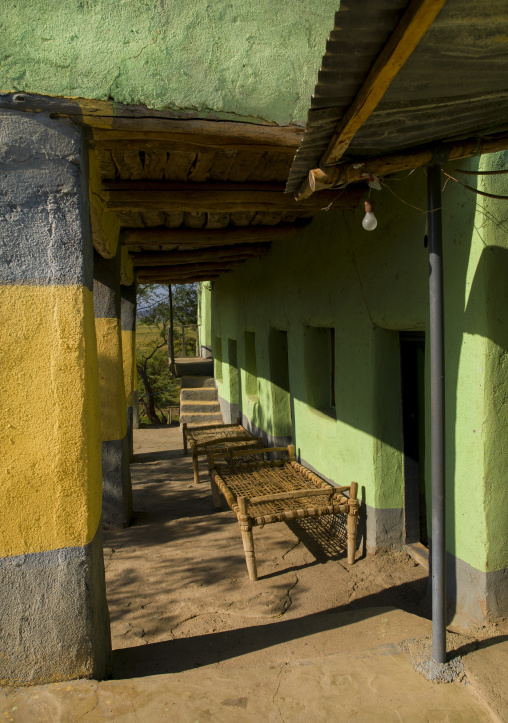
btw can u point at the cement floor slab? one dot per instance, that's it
(314, 639)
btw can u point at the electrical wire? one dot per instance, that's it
(475, 190)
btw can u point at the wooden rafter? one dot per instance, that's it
(413, 25)
(214, 253)
(207, 237)
(146, 278)
(184, 197)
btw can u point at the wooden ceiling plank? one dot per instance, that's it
(217, 220)
(178, 166)
(195, 219)
(173, 219)
(154, 165)
(153, 218)
(129, 164)
(201, 170)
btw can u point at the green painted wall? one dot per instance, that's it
(226, 58)
(369, 286)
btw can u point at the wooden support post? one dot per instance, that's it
(352, 523)
(195, 464)
(291, 453)
(247, 539)
(184, 434)
(215, 488)
(183, 341)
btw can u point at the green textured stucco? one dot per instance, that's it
(369, 286)
(237, 59)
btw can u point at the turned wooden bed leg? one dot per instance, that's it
(215, 491)
(247, 539)
(195, 464)
(184, 433)
(352, 523)
(291, 453)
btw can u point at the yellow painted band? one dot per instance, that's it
(129, 364)
(51, 487)
(111, 379)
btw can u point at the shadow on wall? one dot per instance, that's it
(368, 384)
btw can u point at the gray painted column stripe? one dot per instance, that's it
(116, 484)
(106, 287)
(128, 307)
(55, 621)
(45, 236)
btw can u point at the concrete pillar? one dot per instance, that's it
(116, 481)
(128, 314)
(53, 609)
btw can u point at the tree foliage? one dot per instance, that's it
(157, 388)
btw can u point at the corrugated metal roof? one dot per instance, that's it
(454, 85)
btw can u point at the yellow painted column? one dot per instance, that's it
(53, 609)
(128, 314)
(116, 481)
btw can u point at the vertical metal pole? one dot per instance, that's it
(437, 393)
(171, 341)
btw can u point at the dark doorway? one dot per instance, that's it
(412, 353)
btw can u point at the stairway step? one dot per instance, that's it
(201, 418)
(199, 405)
(199, 394)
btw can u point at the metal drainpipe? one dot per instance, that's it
(437, 392)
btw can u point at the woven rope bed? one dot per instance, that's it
(216, 437)
(278, 490)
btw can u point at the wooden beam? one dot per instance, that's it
(326, 178)
(191, 268)
(148, 279)
(214, 253)
(413, 25)
(215, 200)
(208, 237)
(126, 141)
(141, 185)
(110, 115)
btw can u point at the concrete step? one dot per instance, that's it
(199, 405)
(193, 382)
(199, 393)
(199, 418)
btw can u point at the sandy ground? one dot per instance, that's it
(313, 639)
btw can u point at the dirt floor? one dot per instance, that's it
(313, 639)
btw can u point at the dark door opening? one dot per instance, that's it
(412, 355)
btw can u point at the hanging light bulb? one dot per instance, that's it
(369, 222)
